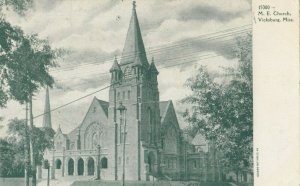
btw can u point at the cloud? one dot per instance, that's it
(95, 31)
(207, 13)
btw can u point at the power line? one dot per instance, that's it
(109, 87)
(156, 51)
(180, 44)
(64, 105)
(187, 53)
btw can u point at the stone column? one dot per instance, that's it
(85, 173)
(98, 166)
(66, 167)
(63, 163)
(75, 167)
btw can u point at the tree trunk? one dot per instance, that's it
(33, 164)
(27, 150)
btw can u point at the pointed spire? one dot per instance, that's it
(116, 66)
(59, 129)
(153, 67)
(134, 49)
(47, 111)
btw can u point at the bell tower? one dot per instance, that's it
(134, 84)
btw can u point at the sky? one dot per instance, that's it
(187, 32)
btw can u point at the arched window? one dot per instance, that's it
(118, 97)
(95, 140)
(71, 167)
(80, 168)
(127, 72)
(128, 94)
(91, 166)
(104, 163)
(58, 164)
(150, 119)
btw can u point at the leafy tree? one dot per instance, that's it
(19, 6)
(223, 111)
(13, 147)
(6, 157)
(24, 64)
(24, 72)
(10, 37)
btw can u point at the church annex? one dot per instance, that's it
(155, 145)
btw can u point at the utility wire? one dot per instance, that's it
(188, 52)
(170, 47)
(71, 102)
(64, 105)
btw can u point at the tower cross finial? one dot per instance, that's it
(133, 4)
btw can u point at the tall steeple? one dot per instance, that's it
(134, 49)
(47, 113)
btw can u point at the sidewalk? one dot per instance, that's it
(64, 181)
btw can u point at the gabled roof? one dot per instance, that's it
(134, 49)
(153, 67)
(200, 141)
(163, 107)
(73, 134)
(115, 67)
(104, 105)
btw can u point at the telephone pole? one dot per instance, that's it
(27, 150)
(122, 110)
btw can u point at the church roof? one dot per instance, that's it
(134, 49)
(104, 105)
(115, 67)
(200, 141)
(163, 107)
(153, 67)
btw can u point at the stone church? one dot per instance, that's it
(134, 132)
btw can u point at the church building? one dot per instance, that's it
(134, 132)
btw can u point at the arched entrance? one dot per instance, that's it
(71, 167)
(80, 167)
(151, 162)
(91, 166)
(58, 164)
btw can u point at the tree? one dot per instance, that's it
(12, 148)
(10, 38)
(24, 72)
(6, 157)
(42, 137)
(19, 6)
(223, 111)
(24, 64)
